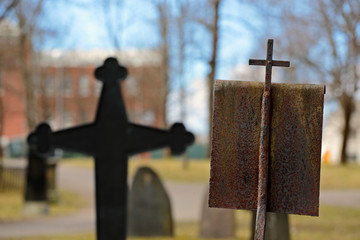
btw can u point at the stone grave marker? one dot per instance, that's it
(149, 206)
(216, 222)
(110, 139)
(277, 226)
(36, 201)
(266, 146)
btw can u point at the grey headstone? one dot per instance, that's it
(36, 201)
(277, 226)
(149, 206)
(216, 222)
(36, 184)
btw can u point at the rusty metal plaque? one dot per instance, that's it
(295, 146)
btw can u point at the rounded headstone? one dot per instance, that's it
(149, 206)
(216, 222)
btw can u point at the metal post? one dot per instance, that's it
(264, 140)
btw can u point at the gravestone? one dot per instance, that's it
(276, 227)
(149, 206)
(51, 176)
(216, 222)
(252, 169)
(36, 185)
(110, 139)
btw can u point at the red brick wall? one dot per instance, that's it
(14, 122)
(141, 100)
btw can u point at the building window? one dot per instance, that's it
(67, 86)
(36, 84)
(148, 117)
(97, 88)
(67, 119)
(132, 87)
(83, 117)
(49, 86)
(83, 86)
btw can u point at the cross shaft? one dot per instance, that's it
(269, 63)
(265, 139)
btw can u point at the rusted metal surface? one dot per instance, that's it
(235, 144)
(296, 131)
(295, 146)
(263, 163)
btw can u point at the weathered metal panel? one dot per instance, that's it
(295, 146)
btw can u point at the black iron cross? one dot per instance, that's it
(264, 138)
(110, 139)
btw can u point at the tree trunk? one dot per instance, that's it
(165, 86)
(347, 106)
(165, 65)
(212, 63)
(1, 117)
(26, 75)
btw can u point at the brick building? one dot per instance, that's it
(67, 93)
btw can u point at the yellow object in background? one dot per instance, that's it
(326, 157)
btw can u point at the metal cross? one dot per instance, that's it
(264, 139)
(110, 139)
(269, 63)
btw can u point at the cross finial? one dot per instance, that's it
(111, 70)
(269, 63)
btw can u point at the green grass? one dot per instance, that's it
(340, 177)
(11, 181)
(11, 205)
(69, 202)
(332, 176)
(333, 224)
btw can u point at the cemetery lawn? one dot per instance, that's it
(332, 176)
(11, 203)
(334, 223)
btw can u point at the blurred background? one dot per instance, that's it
(174, 50)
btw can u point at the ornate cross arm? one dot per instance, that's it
(77, 139)
(139, 139)
(142, 138)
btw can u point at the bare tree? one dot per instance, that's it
(182, 20)
(115, 26)
(323, 43)
(27, 13)
(182, 41)
(1, 118)
(113, 21)
(163, 11)
(7, 6)
(214, 31)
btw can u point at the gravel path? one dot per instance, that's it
(186, 199)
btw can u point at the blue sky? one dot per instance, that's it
(82, 27)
